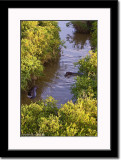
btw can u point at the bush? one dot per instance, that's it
(79, 119)
(32, 115)
(29, 117)
(40, 43)
(94, 35)
(86, 27)
(87, 83)
(43, 118)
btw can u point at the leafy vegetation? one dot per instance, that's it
(86, 84)
(43, 118)
(80, 119)
(94, 35)
(39, 44)
(31, 115)
(86, 27)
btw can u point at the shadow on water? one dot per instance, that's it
(53, 83)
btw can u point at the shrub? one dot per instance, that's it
(49, 126)
(43, 118)
(79, 119)
(32, 115)
(29, 117)
(94, 35)
(40, 43)
(86, 27)
(87, 83)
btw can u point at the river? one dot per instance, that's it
(53, 83)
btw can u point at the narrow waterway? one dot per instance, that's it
(53, 83)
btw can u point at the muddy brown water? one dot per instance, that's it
(53, 83)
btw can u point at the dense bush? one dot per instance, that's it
(94, 35)
(80, 119)
(33, 114)
(39, 44)
(87, 83)
(43, 118)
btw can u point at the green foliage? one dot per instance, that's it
(29, 117)
(86, 27)
(43, 118)
(49, 126)
(79, 119)
(33, 114)
(87, 83)
(94, 34)
(40, 43)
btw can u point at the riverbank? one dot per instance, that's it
(72, 119)
(79, 119)
(40, 43)
(53, 82)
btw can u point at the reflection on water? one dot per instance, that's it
(53, 83)
(79, 41)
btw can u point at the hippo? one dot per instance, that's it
(32, 92)
(68, 74)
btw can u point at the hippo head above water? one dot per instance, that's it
(68, 74)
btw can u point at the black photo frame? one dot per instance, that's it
(113, 152)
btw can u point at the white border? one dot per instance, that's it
(103, 139)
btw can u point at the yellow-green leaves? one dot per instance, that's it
(34, 114)
(86, 84)
(44, 118)
(85, 91)
(39, 43)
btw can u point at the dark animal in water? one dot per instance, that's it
(68, 74)
(32, 93)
